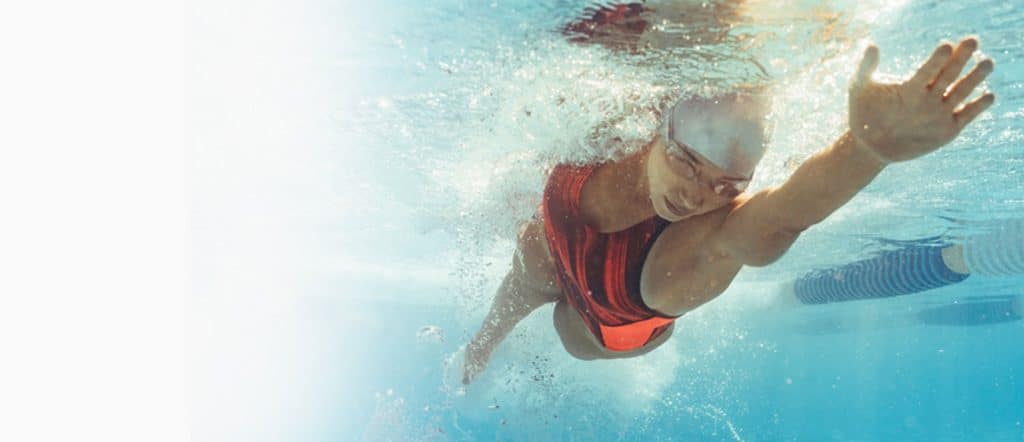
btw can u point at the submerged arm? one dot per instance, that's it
(526, 287)
(512, 304)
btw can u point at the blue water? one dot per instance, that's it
(392, 148)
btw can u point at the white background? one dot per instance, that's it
(93, 221)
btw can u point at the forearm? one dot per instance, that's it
(509, 308)
(823, 183)
(761, 228)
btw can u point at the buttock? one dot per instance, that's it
(581, 343)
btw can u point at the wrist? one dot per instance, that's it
(479, 346)
(865, 153)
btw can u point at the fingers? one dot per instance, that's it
(868, 64)
(469, 374)
(956, 63)
(931, 68)
(971, 110)
(963, 88)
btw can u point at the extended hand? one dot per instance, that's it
(899, 122)
(475, 363)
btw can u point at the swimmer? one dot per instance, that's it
(624, 248)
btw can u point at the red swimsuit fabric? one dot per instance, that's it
(614, 15)
(599, 273)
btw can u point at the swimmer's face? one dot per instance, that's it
(683, 183)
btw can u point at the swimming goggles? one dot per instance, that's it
(689, 161)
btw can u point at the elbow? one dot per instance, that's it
(762, 260)
(772, 246)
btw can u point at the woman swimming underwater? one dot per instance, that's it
(625, 247)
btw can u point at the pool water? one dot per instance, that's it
(350, 242)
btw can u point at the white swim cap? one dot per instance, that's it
(720, 130)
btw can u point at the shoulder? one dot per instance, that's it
(570, 175)
(684, 245)
(684, 268)
(692, 237)
(571, 193)
(750, 234)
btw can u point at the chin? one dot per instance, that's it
(668, 215)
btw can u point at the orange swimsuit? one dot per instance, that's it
(599, 273)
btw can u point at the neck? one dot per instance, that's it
(624, 193)
(636, 187)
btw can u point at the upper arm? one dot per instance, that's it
(759, 229)
(533, 262)
(754, 232)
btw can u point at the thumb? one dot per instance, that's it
(868, 64)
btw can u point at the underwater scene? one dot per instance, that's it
(361, 175)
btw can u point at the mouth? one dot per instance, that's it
(676, 210)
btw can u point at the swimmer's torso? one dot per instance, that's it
(628, 285)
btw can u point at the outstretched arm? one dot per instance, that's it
(888, 123)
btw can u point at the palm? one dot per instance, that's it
(906, 120)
